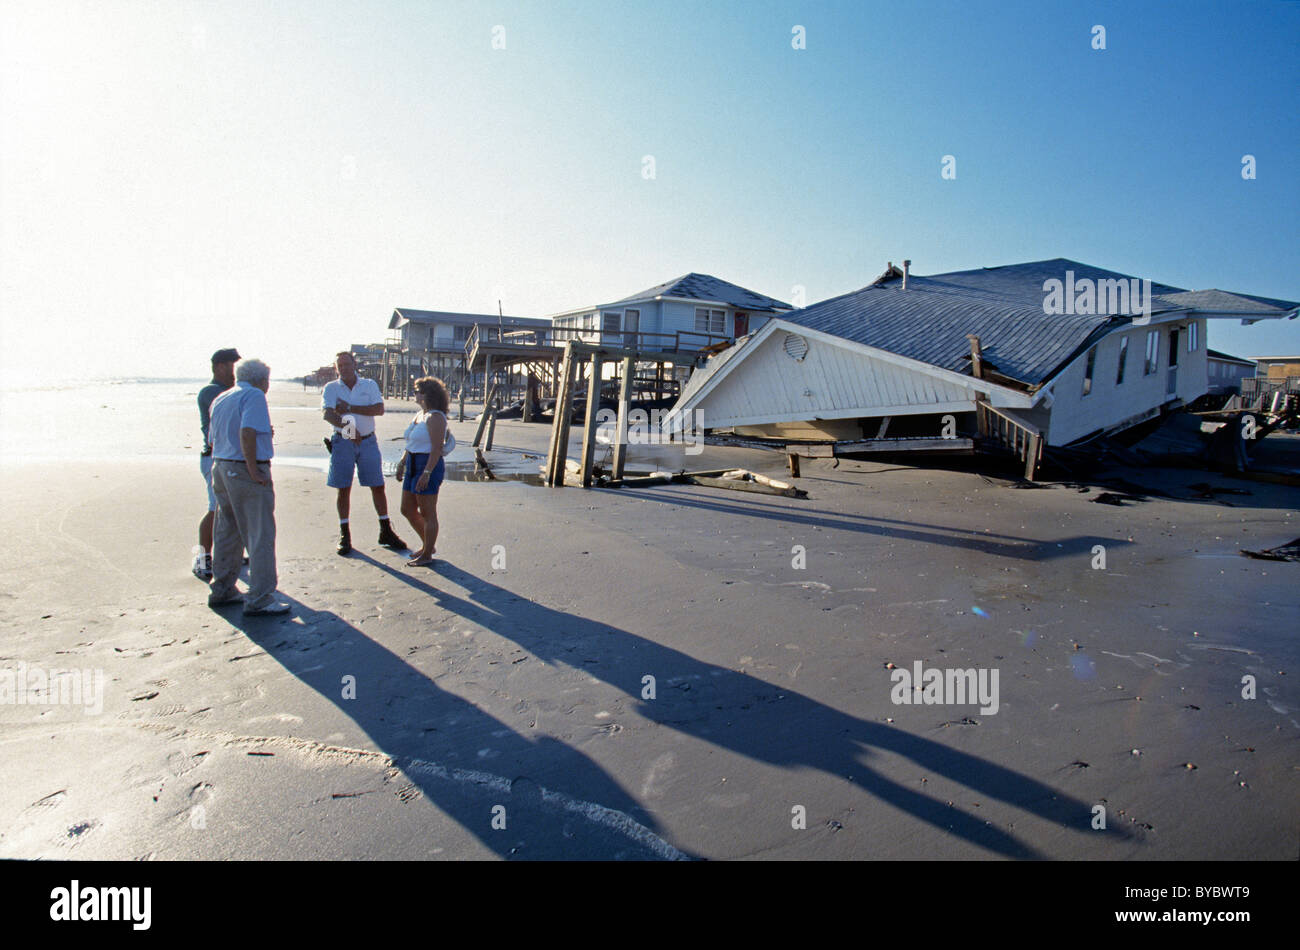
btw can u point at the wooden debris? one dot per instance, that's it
(737, 484)
(1283, 552)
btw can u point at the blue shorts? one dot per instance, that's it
(345, 456)
(414, 468)
(205, 466)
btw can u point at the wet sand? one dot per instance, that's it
(409, 713)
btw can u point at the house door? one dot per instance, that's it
(631, 327)
(742, 324)
(1173, 362)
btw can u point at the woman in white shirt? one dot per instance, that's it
(421, 469)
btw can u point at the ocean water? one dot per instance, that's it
(139, 419)
(157, 420)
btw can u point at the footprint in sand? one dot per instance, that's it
(52, 800)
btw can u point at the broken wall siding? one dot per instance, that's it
(1074, 415)
(831, 382)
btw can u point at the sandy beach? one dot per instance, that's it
(475, 710)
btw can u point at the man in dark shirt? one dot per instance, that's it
(223, 377)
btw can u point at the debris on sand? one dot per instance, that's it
(1283, 552)
(1111, 498)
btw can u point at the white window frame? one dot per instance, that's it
(1193, 336)
(1089, 370)
(708, 316)
(1151, 360)
(1123, 361)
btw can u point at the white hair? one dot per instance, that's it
(252, 371)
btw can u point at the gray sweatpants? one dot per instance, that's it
(245, 520)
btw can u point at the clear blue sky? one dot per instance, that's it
(279, 176)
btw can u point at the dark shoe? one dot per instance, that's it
(345, 540)
(389, 539)
(272, 608)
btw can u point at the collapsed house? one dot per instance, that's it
(1044, 353)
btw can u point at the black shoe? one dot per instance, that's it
(345, 540)
(388, 538)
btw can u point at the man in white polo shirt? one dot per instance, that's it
(351, 404)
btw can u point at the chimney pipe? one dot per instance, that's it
(906, 267)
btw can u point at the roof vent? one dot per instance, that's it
(907, 265)
(796, 347)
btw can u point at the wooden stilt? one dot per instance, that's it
(589, 425)
(491, 425)
(624, 404)
(483, 416)
(559, 444)
(794, 465)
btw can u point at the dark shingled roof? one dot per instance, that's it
(1003, 306)
(1227, 302)
(704, 287)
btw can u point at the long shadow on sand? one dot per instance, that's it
(558, 801)
(754, 718)
(1001, 545)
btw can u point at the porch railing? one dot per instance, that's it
(1024, 440)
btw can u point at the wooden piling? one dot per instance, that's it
(589, 424)
(559, 443)
(483, 416)
(624, 405)
(491, 425)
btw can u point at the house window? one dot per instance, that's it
(1123, 360)
(460, 333)
(611, 322)
(1087, 370)
(1153, 353)
(710, 321)
(1192, 342)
